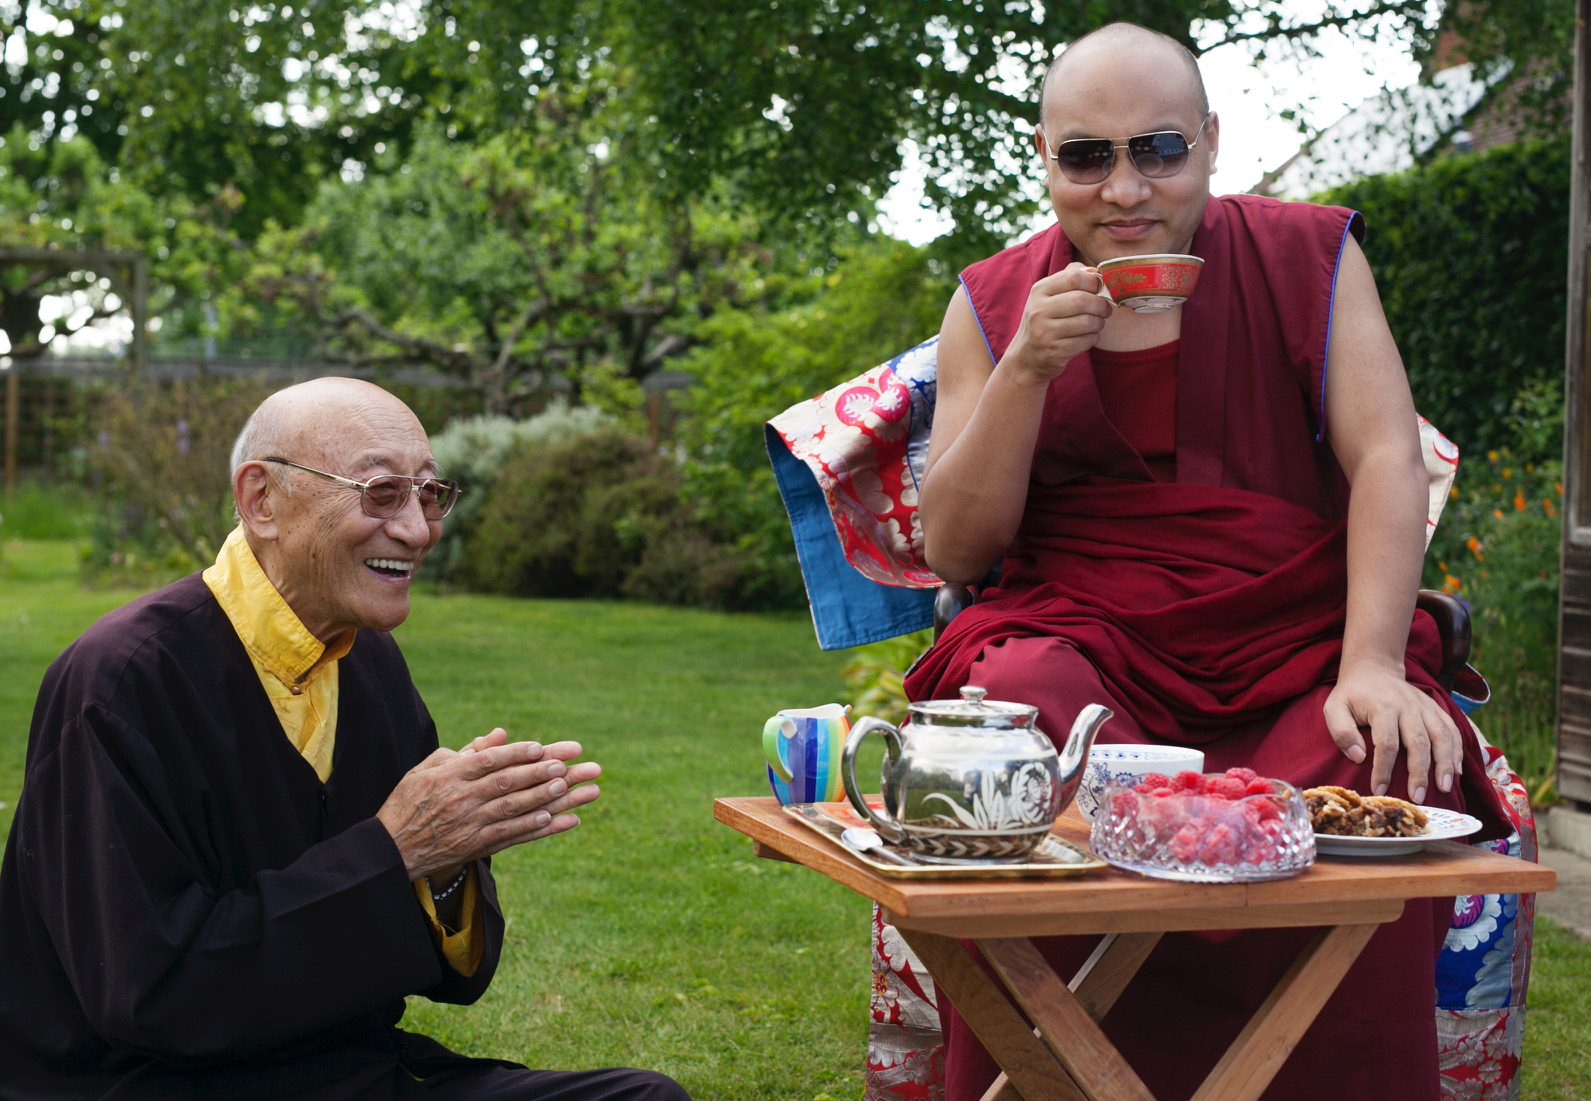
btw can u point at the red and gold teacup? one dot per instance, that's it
(1146, 284)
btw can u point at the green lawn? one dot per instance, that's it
(650, 936)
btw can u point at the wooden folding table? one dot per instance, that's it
(1059, 1052)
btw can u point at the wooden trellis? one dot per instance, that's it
(128, 272)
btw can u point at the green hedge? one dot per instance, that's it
(1470, 256)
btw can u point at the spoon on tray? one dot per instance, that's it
(869, 842)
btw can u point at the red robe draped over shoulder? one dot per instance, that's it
(1208, 611)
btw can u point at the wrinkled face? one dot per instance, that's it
(1118, 90)
(341, 569)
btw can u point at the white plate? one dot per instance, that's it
(1441, 825)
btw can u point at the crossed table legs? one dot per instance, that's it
(1065, 1056)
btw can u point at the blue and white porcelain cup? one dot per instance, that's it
(1130, 764)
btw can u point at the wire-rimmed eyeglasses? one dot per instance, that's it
(385, 496)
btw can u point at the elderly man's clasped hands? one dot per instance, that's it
(458, 806)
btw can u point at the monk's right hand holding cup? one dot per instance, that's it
(453, 808)
(1063, 318)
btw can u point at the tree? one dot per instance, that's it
(508, 264)
(799, 106)
(60, 195)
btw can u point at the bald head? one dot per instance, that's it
(1115, 42)
(302, 421)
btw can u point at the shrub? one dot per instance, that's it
(1469, 254)
(880, 300)
(876, 674)
(474, 450)
(163, 461)
(1497, 549)
(597, 515)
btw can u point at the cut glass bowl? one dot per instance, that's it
(1204, 839)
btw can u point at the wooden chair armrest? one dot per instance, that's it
(949, 602)
(1453, 626)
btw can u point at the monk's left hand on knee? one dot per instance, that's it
(1398, 715)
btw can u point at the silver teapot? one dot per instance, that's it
(971, 779)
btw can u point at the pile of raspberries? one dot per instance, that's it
(1208, 819)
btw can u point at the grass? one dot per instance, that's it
(650, 936)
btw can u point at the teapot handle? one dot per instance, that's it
(881, 819)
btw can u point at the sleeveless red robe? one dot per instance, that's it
(1207, 612)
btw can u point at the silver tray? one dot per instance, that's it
(1053, 856)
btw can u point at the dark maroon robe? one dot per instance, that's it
(1209, 612)
(186, 911)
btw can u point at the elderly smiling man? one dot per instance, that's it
(1211, 519)
(238, 846)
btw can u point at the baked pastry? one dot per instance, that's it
(1340, 812)
(1385, 816)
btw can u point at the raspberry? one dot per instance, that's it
(1259, 853)
(1247, 775)
(1267, 808)
(1260, 786)
(1163, 792)
(1124, 804)
(1185, 845)
(1220, 845)
(1156, 780)
(1191, 782)
(1226, 787)
(1141, 789)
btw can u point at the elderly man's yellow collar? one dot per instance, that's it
(298, 673)
(274, 637)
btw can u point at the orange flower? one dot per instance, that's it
(1559, 487)
(1451, 584)
(1442, 566)
(1475, 548)
(1550, 509)
(1492, 456)
(1497, 512)
(1452, 494)
(1507, 473)
(1519, 502)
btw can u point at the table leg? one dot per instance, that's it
(1066, 1026)
(1276, 1027)
(1097, 984)
(993, 1018)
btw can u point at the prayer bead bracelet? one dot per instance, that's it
(451, 887)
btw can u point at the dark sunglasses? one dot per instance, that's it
(385, 496)
(1090, 160)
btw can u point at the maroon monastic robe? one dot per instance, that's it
(1209, 612)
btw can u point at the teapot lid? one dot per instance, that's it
(972, 710)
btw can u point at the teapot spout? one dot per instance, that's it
(1075, 753)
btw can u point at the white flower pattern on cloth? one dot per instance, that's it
(866, 442)
(1474, 921)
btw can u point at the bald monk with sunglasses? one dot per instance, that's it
(1210, 519)
(238, 846)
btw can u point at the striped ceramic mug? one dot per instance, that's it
(803, 751)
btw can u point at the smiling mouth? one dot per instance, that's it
(390, 567)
